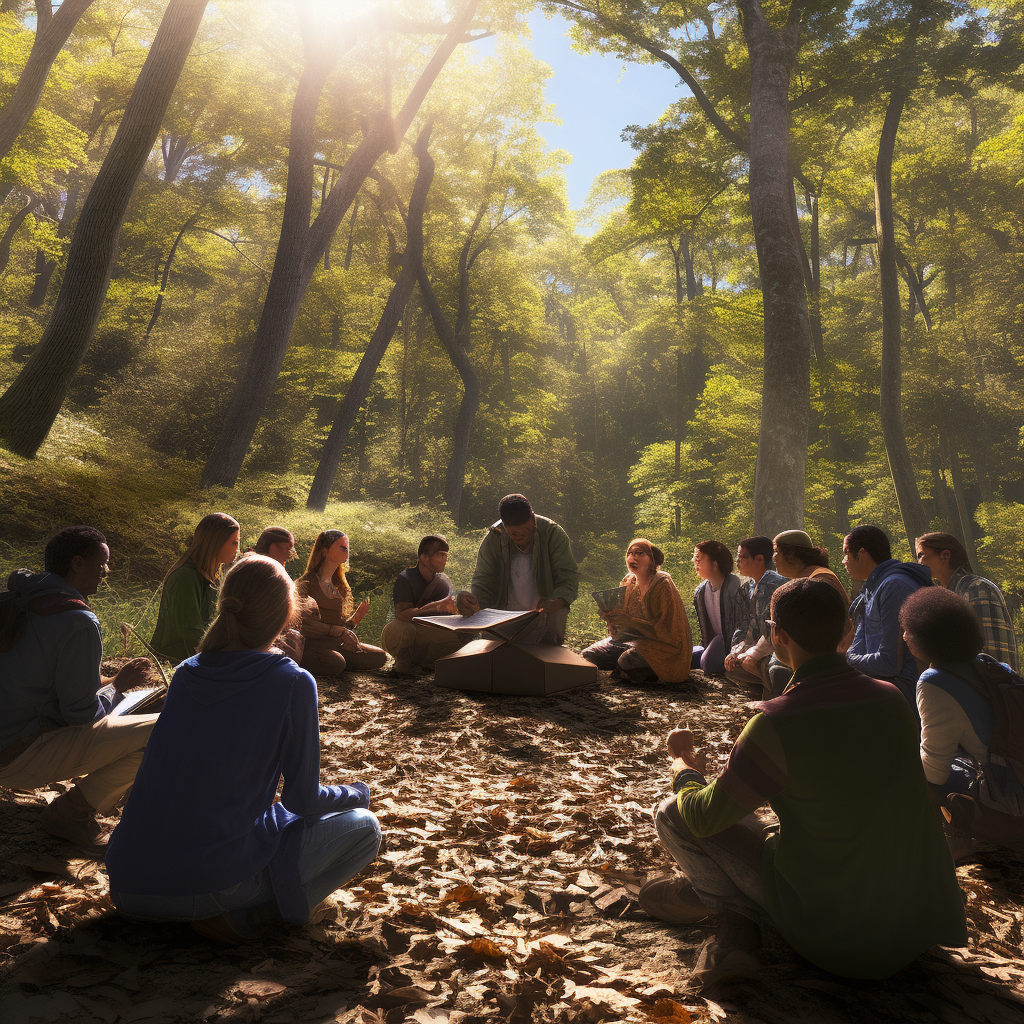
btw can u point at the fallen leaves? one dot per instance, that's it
(518, 834)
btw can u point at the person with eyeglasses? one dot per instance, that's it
(857, 878)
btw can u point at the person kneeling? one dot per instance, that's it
(858, 879)
(201, 838)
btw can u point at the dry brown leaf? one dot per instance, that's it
(259, 989)
(668, 1010)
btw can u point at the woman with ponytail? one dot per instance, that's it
(649, 635)
(202, 838)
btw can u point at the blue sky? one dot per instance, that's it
(595, 97)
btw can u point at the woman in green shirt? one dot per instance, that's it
(188, 600)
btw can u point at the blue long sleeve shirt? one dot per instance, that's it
(201, 816)
(875, 648)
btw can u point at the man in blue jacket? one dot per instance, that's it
(877, 648)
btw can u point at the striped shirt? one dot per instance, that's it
(996, 625)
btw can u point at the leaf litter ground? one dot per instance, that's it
(518, 832)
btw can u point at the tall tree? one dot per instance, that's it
(302, 244)
(394, 309)
(52, 32)
(31, 404)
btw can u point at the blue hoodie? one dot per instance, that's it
(201, 816)
(875, 649)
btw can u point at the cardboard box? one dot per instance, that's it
(501, 666)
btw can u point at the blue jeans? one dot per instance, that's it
(334, 849)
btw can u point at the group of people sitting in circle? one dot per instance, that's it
(874, 743)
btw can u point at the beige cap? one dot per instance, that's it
(794, 538)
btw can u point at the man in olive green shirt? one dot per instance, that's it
(525, 561)
(858, 878)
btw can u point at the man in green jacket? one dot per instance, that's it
(858, 878)
(525, 561)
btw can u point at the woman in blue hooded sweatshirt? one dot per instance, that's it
(201, 838)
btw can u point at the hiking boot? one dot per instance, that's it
(403, 666)
(71, 817)
(671, 898)
(729, 955)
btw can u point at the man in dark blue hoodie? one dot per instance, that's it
(877, 648)
(54, 703)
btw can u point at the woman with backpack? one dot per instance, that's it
(971, 713)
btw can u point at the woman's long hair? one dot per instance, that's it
(804, 556)
(211, 535)
(324, 539)
(256, 602)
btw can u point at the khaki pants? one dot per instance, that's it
(323, 658)
(421, 644)
(106, 752)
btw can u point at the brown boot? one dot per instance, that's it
(729, 956)
(671, 898)
(71, 817)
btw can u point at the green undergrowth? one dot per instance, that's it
(148, 506)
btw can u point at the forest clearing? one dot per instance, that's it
(517, 831)
(319, 266)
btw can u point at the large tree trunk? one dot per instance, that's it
(31, 404)
(394, 309)
(785, 403)
(901, 465)
(52, 31)
(302, 245)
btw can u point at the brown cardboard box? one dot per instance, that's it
(500, 666)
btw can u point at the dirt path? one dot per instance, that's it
(517, 831)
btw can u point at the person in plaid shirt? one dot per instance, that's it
(951, 568)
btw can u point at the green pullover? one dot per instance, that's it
(188, 604)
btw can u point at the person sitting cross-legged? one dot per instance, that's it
(858, 878)
(423, 589)
(649, 634)
(748, 660)
(203, 837)
(55, 721)
(980, 797)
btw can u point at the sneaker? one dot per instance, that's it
(671, 898)
(71, 817)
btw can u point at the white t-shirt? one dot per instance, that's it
(713, 603)
(523, 594)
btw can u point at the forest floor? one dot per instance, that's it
(517, 833)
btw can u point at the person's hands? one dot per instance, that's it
(552, 605)
(749, 664)
(134, 673)
(468, 604)
(680, 746)
(360, 613)
(445, 607)
(731, 661)
(291, 643)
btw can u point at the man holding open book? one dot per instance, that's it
(525, 561)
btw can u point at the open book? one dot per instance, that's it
(501, 625)
(139, 702)
(609, 599)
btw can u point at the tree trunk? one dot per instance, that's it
(785, 402)
(52, 31)
(901, 465)
(394, 308)
(31, 404)
(966, 525)
(44, 266)
(302, 244)
(12, 229)
(455, 477)
(167, 273)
